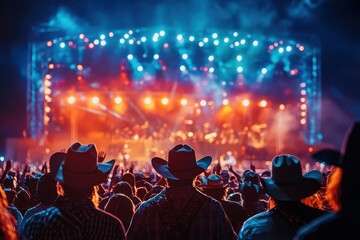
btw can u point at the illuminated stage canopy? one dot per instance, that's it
(222, 87)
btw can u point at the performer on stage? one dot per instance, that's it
(227, 159)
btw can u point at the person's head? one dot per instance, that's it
(124, 188)
(130, 179)
(250, 176)
(10, 195)
(181, 168)
(141, 192)
(80, 173)
(287, 183)
(46, 189)
(342, 183)
(122, 207)
(235, 197)
(7, 221)
(214, 187)
(249, 192)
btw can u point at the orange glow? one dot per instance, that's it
(310, 149)
(303, 106)
(95, 100)
(147, 100)
(51, 66)
(183, 101)
(71, 99)
(47, 91)
(303, 121)
(80, 67)
(245, 102)
(281, 106)
(262, 103)
(118, 100)
(302, 99)
(49, 43)
(165, 101)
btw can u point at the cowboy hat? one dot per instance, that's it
(214, 181)
(181, 164)
(80, 167)
(350, 149)
(287, 182)
(249, 191)
(55, 161)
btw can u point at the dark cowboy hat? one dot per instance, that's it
(181, 164)
(80, 167)
(214, 181)
(287, 182)
(55, 161)
(350, 149)
(250, 191)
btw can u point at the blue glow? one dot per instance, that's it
(226, 39)
(126, 36)
(131, 41)
(143, 39)
(239, 69)
(242, 41)
(211, 58)
(214, 35)
(238, 58)
(264, 71)
(2, 158)
(235, 34)
(281, 50)
(140, 68)
(103, 43)
(96, 41)
(62, 45)
(255, 43)
(191, 38)
(236, 43)
(156, 56)
(162, 33)
(211, 69)
(216, 42)
(184, 56)
(122, 41)
(182, 68)
(205, 40)
(288, 48)
(102, 36)
(201, 44)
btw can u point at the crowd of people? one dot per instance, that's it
(79, 194)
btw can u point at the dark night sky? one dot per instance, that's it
(335, 22)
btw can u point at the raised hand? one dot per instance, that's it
(8, 165)
(101, 156)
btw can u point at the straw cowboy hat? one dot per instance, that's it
(181, 164)
(80, 167)
(287, 182)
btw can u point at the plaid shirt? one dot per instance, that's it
(209, 223)
(72, 220)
